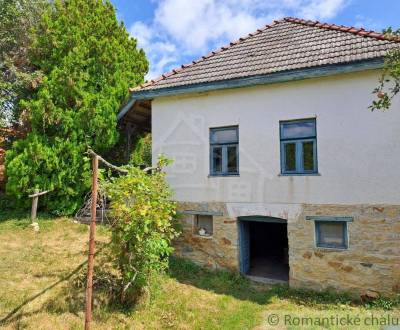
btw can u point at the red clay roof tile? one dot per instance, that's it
(286, 44)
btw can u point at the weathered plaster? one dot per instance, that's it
(288, 212)
(358, 150)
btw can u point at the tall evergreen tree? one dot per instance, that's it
(89, 61)
(18, 76)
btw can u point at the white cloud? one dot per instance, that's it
(142, 33)
(322, 9)
(161, 53)
(184, 29)
(205, 21)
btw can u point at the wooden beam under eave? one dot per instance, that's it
(139, 114)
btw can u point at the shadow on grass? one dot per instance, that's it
(14, 315)
(11, 209)
(107, 291)
(218, 281)
(21, 215)
(71, 298)
(6, 215)
(239, 287)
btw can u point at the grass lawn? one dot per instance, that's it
(39, 273)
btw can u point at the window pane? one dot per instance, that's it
(232, 159)
(290, 156)
(217, 159)
(308, 156)
(298, 129)
(224, 135)
(331, 234)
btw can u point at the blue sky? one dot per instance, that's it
(174, 32)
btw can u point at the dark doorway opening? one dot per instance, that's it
(269, 250)
(264, 248)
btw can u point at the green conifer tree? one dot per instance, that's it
(88, 61)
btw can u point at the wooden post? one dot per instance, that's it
(35, 200)
(89, 285)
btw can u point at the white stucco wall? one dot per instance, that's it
(358, 150)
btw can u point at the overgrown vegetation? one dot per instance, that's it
(19, 77)
(43, 277)
(141, 155)
(389, 83)
(143, 226)
(88, 61)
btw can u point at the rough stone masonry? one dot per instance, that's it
(370, 264)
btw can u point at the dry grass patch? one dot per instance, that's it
(42, 277)
(36, 264)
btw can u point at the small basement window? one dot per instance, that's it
(203, 225)
(331, 232)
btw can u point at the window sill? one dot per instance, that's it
(201, 236)
(299, 174)
(332, 248)
(328, 218)
(222, 175)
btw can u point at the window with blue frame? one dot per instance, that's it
(331, 234)
(330, 231)
(298, 147)
(224, 151)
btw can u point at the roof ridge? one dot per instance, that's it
(350, 29)
(205, 57)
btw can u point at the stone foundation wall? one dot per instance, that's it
(218, 251)
(371, 263)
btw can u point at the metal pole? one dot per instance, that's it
(89, 288)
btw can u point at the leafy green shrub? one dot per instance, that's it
(143, 227)
(88, 61)
(389, 82)
(384, 303)
(141, 155)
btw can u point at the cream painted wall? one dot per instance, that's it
(358, 151)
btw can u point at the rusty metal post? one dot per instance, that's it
(89, 285)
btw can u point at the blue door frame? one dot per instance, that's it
(244, 238)
(244, 246)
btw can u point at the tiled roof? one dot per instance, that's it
(287, 44)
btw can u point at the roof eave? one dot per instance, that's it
(271, 78)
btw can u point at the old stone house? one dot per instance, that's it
(281, 171)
